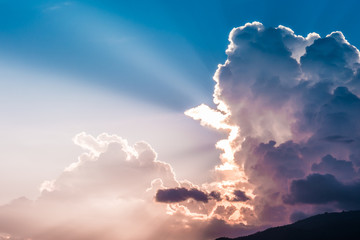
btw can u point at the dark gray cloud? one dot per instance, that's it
(173, 195)
(239, 196)
(340, 168)
(215, 195)
(179, 194)
(323, 189)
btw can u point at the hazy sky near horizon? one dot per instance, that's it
(61, 61)
(132, 68)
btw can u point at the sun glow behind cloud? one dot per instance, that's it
(45, 109)
(217, 119)
(267, 100)
(230, 174)
(258, 116)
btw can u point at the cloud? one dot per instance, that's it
(174, 195)
(108, 193)
(111, 167)
(340, 168)
(322, 189)
(239, 196)
(215, 195)
(295, 104)
(330, 59)
(117, 191)
(180, 194)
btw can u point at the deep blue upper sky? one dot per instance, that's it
(159, 51)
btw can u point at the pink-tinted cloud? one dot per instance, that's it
(111, 192)
(107, 194)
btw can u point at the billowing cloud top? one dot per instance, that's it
(290, 105)
(295, 102)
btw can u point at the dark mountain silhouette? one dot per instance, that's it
(327, 226)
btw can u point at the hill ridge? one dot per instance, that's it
(326, 226)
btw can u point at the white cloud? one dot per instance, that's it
(106, 188)
(294, 100)
(109, 193)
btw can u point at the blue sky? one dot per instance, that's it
(153, 50)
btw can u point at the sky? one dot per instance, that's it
(214, 118)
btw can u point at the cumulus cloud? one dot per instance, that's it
(107, 194)
(295, 104)
(118, 191)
